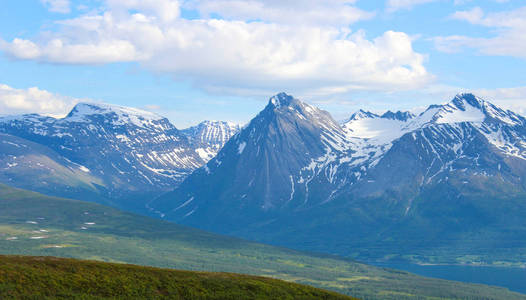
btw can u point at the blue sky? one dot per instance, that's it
(222, 59)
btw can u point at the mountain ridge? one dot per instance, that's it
(378, 170)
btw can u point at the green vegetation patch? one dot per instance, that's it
(59, 278)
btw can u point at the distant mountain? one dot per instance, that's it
(448, 181)
(102, 152)
(208, 137)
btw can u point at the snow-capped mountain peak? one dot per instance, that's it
(463, 108)
(119, 115)
(282, 99)
(284, 105)
(461, 100)
(466, 108)
(359, 115)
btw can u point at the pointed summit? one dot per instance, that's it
(492, 113)
(361, 114)
(461, 100)
(469, 108)
(282, 99)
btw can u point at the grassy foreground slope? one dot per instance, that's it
(60, 278)
(34, 224)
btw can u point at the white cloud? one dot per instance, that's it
(257, 46)
(24, 49)
(164, 10)
(509, 27)
(34, 100)
(58, 6)
(473, 16)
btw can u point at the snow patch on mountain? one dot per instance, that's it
(205, 153)
(377, 130)
(456, 114)
(241, 147)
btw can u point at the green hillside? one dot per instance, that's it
(59, 278)
(34, 224)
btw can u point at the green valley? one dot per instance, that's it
(38, 225)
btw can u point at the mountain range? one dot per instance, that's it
(104, 153)
(443, 186)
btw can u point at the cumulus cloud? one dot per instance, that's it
(255, 46)
(58, 6)
(509, 27)
(34, 100)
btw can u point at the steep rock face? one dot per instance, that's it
(127, 150)
(208, 137)
(391, 182)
